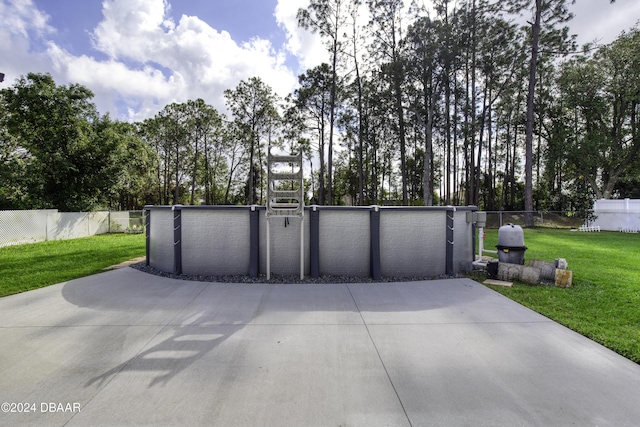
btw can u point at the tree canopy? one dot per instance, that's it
(414, 108)
(60, 153)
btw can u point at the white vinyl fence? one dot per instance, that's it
(18, 227)
(617, 215)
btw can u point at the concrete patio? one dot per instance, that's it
(128, 348)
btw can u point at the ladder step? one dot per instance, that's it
(284, 159)
(284, 194)
(286, 176)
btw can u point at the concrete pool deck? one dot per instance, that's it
(128, 348)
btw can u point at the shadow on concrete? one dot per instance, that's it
(196, 317)
(442, 352)
(172, 355)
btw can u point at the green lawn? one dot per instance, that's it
(32, 266)
(604, 302)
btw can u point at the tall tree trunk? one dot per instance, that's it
(252, 170)
(207, 173)
(166, 176)
(232, 169)
(490, 154)
(321, 178)
(429, 95)
(528, 175)
(375, 170)
(474, 187)
(505, 181)
(480, 144)
(332, 112)
(447, 109)
(456, 180)
(468, 144)
(176, 196)
(512, 174)
(361, 131)
(195, 170)
(538, 152)
(260, 175)
(397, 83)
(159, 177)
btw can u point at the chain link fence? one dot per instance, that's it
(30, 226)
(550, 219)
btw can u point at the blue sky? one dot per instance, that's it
(139, 55)
(75, 19)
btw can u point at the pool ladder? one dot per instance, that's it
(285, 197)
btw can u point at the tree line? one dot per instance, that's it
(458, 106)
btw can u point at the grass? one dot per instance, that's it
(604, 302)
(32, 266)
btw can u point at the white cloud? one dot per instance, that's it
(147, 88)
(301, 43)
(137, 30)
(19, 21)
(151, 60)
(599, 20)
(20, 18)
(208, 61)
